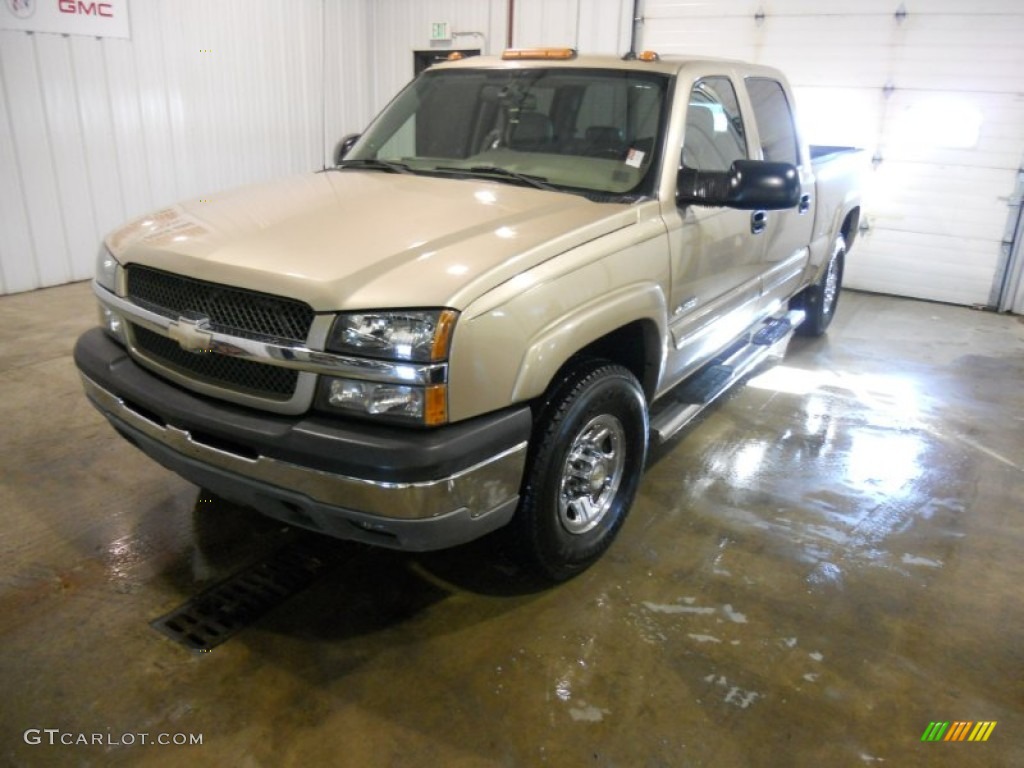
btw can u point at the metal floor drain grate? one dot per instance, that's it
(224, 610)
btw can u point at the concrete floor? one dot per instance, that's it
(829, 561)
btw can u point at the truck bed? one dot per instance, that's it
(823, 153)
(838, 173)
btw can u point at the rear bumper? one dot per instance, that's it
(405, 489)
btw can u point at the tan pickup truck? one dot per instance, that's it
(523, 271)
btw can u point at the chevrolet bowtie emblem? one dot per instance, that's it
(191, 335)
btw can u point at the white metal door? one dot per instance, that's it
(932, 90)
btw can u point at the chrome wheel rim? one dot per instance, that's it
(831, 284)
(592, 474)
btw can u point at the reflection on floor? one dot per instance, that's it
(824, 565)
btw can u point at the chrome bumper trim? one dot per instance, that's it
(478, 489)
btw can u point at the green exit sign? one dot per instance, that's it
(440, 30)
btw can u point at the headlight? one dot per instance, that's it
(106, 269)
(426, 406)
(420, 336)
(415, 343)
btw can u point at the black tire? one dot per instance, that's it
(583, 469)
(820, 300)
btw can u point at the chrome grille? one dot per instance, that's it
(234, 311)
(268, 381)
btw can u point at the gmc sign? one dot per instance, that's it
(86, 9)
(92, 18)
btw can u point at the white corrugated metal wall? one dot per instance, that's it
(399, 27)
(591, 26)
(203, 96)
(210, 95)
(934, 90)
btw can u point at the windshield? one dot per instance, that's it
(592, 131)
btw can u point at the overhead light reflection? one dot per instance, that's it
(748, 461)
(792, 381)
(946, 122)
(884, 462)
(884, 392)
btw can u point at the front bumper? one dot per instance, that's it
(399, 488)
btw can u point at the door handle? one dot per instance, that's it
(758, 222)
(805, 204)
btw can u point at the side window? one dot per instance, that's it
(714, 136)
(774, 120)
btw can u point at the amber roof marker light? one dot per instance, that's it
(648, 56)
(523, 54)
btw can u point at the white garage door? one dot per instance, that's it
(933, 90)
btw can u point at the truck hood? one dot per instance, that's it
(359, 239)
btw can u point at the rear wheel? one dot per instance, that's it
(583, 470)
(820, 300)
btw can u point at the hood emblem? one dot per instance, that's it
(192, 334)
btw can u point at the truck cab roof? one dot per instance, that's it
(669, 65)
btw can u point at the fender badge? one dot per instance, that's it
(191, 334)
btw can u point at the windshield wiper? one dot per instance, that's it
(373, 164)
(539, 182)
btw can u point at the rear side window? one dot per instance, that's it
(714, 136)
(774, 120)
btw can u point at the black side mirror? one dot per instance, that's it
(748, 185)
(342, 147)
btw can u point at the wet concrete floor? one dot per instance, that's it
(829, 561)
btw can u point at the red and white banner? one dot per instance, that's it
(95, 18)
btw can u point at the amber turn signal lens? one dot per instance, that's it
(435, 407)
(443, 335)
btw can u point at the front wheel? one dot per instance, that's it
(820, 300)
(583, 470)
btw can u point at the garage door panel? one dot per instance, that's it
(713, 36)
(953, 157)
(925, 218)
(922, 266)
(839, 116)
(657, 10)
(972, 69)
(935, 95)
(982, 130)
(832, 7)
(912, 197)
(965, 188)
(979, 31)
(670, 10)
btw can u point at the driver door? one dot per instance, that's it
(715, 251)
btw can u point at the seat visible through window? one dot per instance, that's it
(604, 140)
(531, 131)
